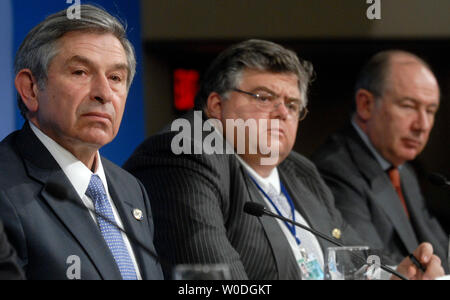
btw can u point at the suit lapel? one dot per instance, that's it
(42, 167)
(412, 193)
(306, 203)
(389, 201)
(79, 222)
(382, 191)
(125, 205)
(283, 255)
(413, 197)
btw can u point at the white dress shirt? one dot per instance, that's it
(309, 241)
(312, 246)
(79, 176)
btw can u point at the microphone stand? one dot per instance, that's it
(323, 236)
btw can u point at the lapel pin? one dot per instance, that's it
(337, 233)
(138, 215)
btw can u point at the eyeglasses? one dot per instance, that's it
(269, 102)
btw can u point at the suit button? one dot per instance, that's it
(138, 215)
(337, 233)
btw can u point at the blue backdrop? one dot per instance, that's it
(7, 111)
(18, 17)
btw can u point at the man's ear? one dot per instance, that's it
(365, 103)
(27, 88)
(214, 106)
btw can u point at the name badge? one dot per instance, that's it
(310, 267)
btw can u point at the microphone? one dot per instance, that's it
(258, 210)
(438, 179)
(60, 192)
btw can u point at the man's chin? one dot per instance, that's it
(407, 155)
(274, 158)
(96, 139)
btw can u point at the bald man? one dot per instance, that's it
(366, 165)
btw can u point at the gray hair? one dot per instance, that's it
(41, 44)
(225, 72)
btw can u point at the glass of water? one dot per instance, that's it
(350, 263)
(202, 272)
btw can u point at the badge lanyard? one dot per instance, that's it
(291, 227)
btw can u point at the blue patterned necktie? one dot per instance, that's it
(112, 235)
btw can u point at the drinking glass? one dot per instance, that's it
(202, 272)
(350, 263)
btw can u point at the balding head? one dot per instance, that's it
(397, 99)
(400, 63)
(376, 73)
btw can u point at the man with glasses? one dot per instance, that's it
(198, 199)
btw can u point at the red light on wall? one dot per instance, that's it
(185, 88)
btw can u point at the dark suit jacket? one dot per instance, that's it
(45, 231)
(369, 203)
(198, 204)
(9, 269)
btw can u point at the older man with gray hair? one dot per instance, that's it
(62, 203)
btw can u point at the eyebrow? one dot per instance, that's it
(263, 88)
(88, 62)
(418, 102)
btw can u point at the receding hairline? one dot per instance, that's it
(391, 58)
(403, 58)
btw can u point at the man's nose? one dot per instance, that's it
(101, 89)
(280, 110)
(423, 121)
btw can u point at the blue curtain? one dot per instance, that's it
(7, 111)
(18, 17)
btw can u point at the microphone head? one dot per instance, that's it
(437, 179)
(254, 209)
(57, 190)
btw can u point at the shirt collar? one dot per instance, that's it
(385, 165)
(273, 179)
(78, 174)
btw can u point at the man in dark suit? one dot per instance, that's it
(366, 165)
(9, 269)
(237, 149)
(59, 199)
